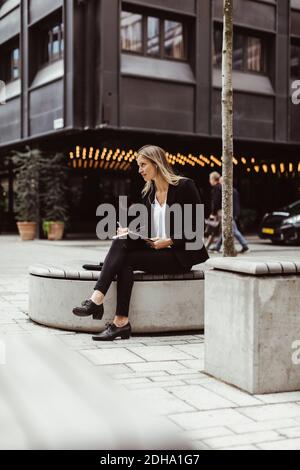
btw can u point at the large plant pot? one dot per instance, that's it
(27, 230)
(56, 230)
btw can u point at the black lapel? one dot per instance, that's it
(171, 194)
(149, 201)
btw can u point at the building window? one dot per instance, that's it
(254, 55)
(217, 55)
(152, 36)
(295, 61)
(53, 41)
(238, 52)
(10, 63)
(248, 51)
(131, 32)
(173, 40)
(15, 63)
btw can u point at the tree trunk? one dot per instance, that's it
(227, 131)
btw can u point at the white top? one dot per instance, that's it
(159, 219)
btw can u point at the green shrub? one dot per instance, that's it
(54, 189)
(27, 181)
(41, 185)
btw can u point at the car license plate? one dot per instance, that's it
(269, 231)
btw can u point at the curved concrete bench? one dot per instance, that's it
(252, 323)
(159, 302)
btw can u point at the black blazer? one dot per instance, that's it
(185, 192)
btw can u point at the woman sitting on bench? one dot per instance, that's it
(160, 254)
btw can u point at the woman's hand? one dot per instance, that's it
(160, 243)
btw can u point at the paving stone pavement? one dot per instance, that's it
(165, 372)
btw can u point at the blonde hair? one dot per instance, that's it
(158, 156)
(215, 176)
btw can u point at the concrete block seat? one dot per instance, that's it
(252, 323)
(159, 302)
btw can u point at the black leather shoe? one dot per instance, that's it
(89, 308)
(112, 332)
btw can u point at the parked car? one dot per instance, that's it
(282, 226)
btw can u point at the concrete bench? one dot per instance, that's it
(252, 323)
(159, 302)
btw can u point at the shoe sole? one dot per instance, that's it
(80, 314)
(97, 338)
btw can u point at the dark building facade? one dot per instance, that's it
(96, 79)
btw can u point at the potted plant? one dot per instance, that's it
(54, 196)
(27, 170)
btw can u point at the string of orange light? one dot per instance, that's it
(120, 159)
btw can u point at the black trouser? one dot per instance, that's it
(125, 257)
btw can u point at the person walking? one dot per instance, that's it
(215, 219)
(236, 232)
(163, 253)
